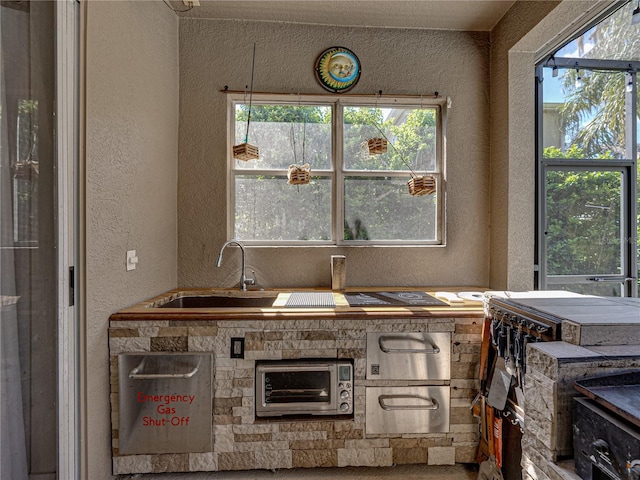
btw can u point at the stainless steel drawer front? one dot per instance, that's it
(165, 403)
(414, 409)
(408, 356)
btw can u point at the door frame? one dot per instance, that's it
(626, 251)
(67, 88)
(629, 211)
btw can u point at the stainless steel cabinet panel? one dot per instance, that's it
(165, 403)
(408, 356)
(414, 409)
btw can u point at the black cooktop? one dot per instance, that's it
(618, 393)
(382, 299)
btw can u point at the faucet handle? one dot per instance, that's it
(251, 281)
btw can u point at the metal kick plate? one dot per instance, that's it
(408, 356)
(165, 403)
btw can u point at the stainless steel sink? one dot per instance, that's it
(219, 301)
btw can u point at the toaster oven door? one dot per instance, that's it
(305, 388)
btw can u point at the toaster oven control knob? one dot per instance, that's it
(344, 395)
(344, 407)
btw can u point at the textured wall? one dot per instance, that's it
(218, 53)
(515, 211)
(513, 26)
(131, 158)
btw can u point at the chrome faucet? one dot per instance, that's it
(244, 281)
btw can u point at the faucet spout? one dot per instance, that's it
(244, 281)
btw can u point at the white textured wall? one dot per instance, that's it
(511, 240)
(131, 168)
(514, 210)
(218, 53)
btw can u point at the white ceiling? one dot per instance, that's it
(469, 15)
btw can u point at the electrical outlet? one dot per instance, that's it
(237, 347)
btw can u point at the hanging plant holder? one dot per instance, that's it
(375, 146)
(422, 185)
(299, 174)
(419, 184)
(245, 151)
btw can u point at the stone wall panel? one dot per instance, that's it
(244, 442)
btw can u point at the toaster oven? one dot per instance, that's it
(304, 387)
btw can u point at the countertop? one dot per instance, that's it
(586, 320)
(147, 310)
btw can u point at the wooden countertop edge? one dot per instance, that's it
(303, 314)
(141, 310)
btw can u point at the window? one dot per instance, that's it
(588, 169)
(25, 172)
(354, 197)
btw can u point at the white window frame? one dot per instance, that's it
(338, 173)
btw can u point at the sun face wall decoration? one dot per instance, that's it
(337, 69)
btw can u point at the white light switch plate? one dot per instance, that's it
(132, 260)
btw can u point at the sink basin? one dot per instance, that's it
(219, 301)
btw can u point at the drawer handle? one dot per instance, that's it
(431, 405)
(135, 374)
(429, 347)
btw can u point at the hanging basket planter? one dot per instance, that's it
(299, 174)
(422, 185)
(375, 146)
(419, 184)
(245, 151)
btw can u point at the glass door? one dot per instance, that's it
(585, 231)
(587, 180)
(587, 150)
(587, 161)
(37, 323)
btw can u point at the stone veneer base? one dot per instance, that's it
(552, 369)
(243, 443)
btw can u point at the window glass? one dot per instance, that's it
(371, 185)
(602, 289)
(584, 114)
(583, 222)
(380, 208)
(615, 38)
(410, 132)
(267, 208)
(32, 421)
(285, 135)
(25, 175)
